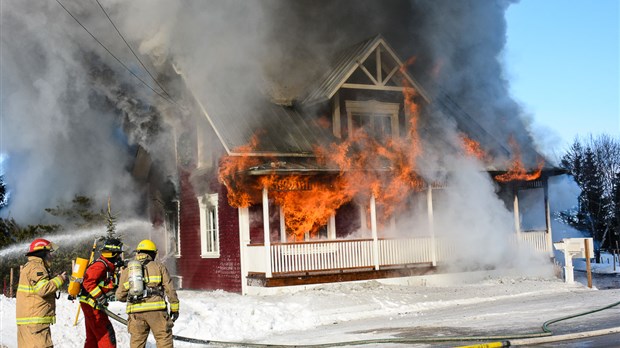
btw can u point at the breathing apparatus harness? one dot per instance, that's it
(111, 251)
(138, 290)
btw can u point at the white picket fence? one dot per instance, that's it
(357, 254)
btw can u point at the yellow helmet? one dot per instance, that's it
(146, 245)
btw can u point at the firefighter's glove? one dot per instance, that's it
(174, 316)
(111, 297)
(102, 301)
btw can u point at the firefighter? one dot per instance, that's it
(146, 307)
(36, 296)
(99, 284)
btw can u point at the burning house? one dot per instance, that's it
(349, 180)
(281, 143)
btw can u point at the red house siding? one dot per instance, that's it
(208, 273)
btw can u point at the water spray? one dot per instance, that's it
(73, 237)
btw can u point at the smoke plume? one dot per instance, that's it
(72, 114)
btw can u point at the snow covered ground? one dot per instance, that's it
(482, 304)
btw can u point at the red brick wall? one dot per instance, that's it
(208, 273)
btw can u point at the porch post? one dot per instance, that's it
(266, 233)
(373, 227)
(244, 240)
(515, 204)
(282, 226)
(331, 227)
(548, 217)
(431, 223)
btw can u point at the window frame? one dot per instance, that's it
(372, 108)
(209, 225)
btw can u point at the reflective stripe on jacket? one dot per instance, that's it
(36, 298)
(156, 276)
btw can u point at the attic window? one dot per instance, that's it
(209, 226)
(378, 119)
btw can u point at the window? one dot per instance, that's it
(376, 126)
(209, 226)
(378, 119)
(172, 226)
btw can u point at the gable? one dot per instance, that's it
(371, 64)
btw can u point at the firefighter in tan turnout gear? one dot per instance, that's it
(144, 285)
(36, 297)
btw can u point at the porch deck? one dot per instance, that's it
(344, 275)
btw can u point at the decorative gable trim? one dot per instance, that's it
(372, 65)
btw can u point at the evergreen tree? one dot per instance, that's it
(573, 160)
(594, 203)
(595, 166)
(78, 214)
(3, 193)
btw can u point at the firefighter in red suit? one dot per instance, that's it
(99, 283)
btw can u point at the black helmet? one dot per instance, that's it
(112, 245)
(111, 250)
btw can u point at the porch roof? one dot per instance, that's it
(296, 166)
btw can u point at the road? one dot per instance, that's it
(510, 317)
(500, 318)
(605, 341)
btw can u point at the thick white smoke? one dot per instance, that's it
(58, 144)
(63, 137)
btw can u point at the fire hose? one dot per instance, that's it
(178, 338)
(492, 340)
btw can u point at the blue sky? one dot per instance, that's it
(562, 59)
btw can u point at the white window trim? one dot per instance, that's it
(370, 107)
(203, 202)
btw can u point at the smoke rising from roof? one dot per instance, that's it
(65, 100)
(64, 107)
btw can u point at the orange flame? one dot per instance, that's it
(365, 167)
(516, 170)
(472, 148)
(231, 174)
(306, 210)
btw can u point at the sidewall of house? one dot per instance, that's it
(223, 272)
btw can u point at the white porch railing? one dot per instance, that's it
(326, 255)
(404, 251)
(350, 254)
(536, 239)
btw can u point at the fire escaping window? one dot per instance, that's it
(377, 126)
(378, 119)
(209, 226)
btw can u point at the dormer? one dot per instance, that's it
(364, 89)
